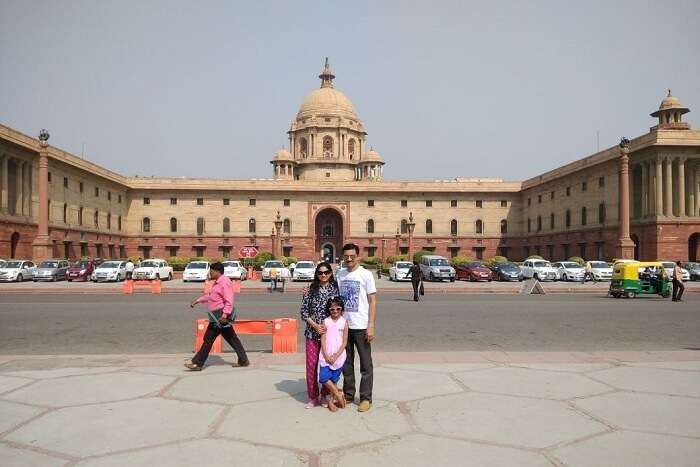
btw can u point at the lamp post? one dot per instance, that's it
(625, 245)
(278, 238)
(41, 246)
(398, 242)
(411, 226)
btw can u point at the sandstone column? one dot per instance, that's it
(19, 189)
(625, 245)
(696, 190)
(3, 183)
(645, 189)
(42, 247)
(680, 187)
(668, 185)
(658, 187)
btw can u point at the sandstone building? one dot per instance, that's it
(327, 188)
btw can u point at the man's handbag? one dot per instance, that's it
(422, 289)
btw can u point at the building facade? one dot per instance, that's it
(327, 188)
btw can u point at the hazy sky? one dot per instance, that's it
(445, 89)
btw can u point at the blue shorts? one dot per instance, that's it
(328, 374)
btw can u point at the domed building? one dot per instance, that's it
(328, 188)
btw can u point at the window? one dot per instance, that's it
(370, 203)
(453, 227)
(453, 203)
(566, 249)
(539, 223)
(351, 148)
(303, 146)
(550, 251)
(287, 226)
(49, 177)
(584, 186)
(328, 175)
(226, 225)
(504, 203)
(200, 226)
(119, 225)
(286, 202)
(96, 218)
(551, 195)
(251, 202)
(65, 182)
(146, 224)
(539, 199)
(568, 220)
(173, 225)
(286, 250)
(65, 213)
(601, 182)
(529, 225)
(109, 196)
(404, 203)
(601, 213)
(227, 201)
(568, 191)
(120, 199)
(404, 226)
(81, 186)
(582, 250)
(504, 226)
(199, 251)
(428, 203)
(551, 221)
(146, 201)
(200, 201)
(109, 221)
(327, 146)
(584, 216)
(172, 251)
(97, 192)
(479, 203)
(251, 226)
(479, 226)
(429, 226)
(370, 226)
(173, 201)
(529, 201)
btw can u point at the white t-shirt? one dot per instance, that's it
(354, 287)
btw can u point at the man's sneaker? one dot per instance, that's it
(364, 406)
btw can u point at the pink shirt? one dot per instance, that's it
(220, 297)
(333, 341)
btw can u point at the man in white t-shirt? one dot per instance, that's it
(359, 292)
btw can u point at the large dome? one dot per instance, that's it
(327, 101)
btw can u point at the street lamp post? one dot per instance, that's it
(411, 226)
(42, 246)
(278, 237)
(625, 245)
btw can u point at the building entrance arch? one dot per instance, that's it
(14, 241)
(635, 239)
(693, 244)
(328, 233)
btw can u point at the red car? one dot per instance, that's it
(80, 270)
(474, 271)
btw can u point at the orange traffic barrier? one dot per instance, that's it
(283, 331)
(200, 327)
(129, 285)
(236, 286)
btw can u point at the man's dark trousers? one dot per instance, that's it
(358, 338)
(416, 286)
(678, 289)
(210, 336)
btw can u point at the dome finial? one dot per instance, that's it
(327, 76)
(669, 90)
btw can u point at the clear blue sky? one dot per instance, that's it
(445, 89)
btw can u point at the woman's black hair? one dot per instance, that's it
(315, 284)
(337, 300)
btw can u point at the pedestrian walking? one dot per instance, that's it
(359, 293)
(274, 276)
(129, 269)
(678, 287)
(313, 311)
(220, 303)
(588, 273)
(416, 276)
(333, 353)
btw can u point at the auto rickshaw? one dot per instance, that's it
(640, 277)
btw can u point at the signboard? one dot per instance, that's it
(248, 252)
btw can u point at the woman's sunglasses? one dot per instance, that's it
(323, 272)
(335, 308)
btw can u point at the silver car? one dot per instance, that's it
(569, 271)
(51, 270)
(16, 270)
(436, 268)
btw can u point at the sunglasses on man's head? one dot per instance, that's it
(323, 272)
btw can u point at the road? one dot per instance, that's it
(151, 324)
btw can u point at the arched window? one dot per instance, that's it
(351, 148)
(453, 227)
(200, 226)
(601, 213)
(80, 215)
(65, 213)
(479, 226)
(568, 219)
(227, 225)
(97, 218)
(539, 223)
(584, 216)
(504, 226)
(327, 146)
(109, 221)
(173, 225)
(429, 226)
(287, 226)
(146, 224)
(404, 226)
(303, 148)
(251, 226)
(370, 226)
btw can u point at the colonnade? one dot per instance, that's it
(666, 186)
(15, 186)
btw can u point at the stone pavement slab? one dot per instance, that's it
(566, 367)
(10, 383)
(61, 372)
(13, 457)
(687, 366)
(662, 381)
(440, 367)
(409, 385)
(12, 414)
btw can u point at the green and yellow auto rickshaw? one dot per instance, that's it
(630, 279)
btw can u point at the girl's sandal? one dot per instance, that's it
(311, 405)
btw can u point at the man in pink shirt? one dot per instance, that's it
(220, 303)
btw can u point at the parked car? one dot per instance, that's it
(234, 270)
(693, 270)
(151, 269)
(51, 270)
(569, 271)
(507, 272)
(303, 271)
(282, 272)
(539, 269)
(399, 271)
(196, 271)
(474, 271)
(110, 271)
(601, 270)
(436, 268)
(16, 270)
(81, 270)
(669, 265)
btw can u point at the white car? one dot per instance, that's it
(304, 271)
(16, 270)
(151, 269)
(399, 270)
(196, 271)
(539, 269)
(110, 271)
(601, 270)
(569, 271)
(282, 272)
(669, 265)
(235, 270)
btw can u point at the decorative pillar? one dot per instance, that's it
(42, 248)
(625, 245)
(668, 185)
(658, 184)
(19, 189)
(680, 187)
(3, 183)
(398, 242)
(277, 246)
(645, 189)
(696, 189)
(411, 226)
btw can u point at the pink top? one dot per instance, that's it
(220, 297)
(333, 341)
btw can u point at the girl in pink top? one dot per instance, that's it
(332, 358)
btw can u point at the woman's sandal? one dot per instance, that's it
(311, 405)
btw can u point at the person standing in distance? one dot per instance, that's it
(416, 276)
(129, 269)
(678, 286)
(359, 293)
